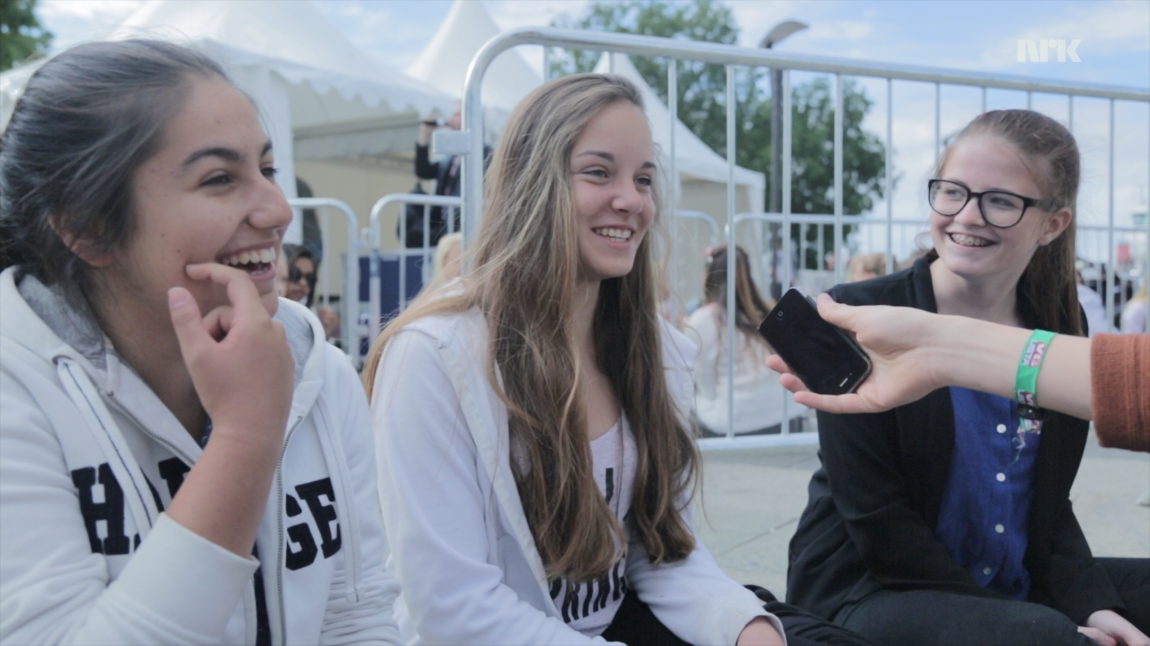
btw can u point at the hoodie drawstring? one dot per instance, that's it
(107, 434)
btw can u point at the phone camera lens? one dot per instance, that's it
(779, 315)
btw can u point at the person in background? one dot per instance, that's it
(281, 275)
(301, 274)
(1092, 307)
(758, 395)
(948, 520)
(535, 413)
(183, 461)
(448, 261)
(329, 318)
(1136, 312)
(445, 172)
(866, 266)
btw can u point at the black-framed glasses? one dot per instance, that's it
(1001, 209)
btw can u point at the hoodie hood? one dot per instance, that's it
(72, 330)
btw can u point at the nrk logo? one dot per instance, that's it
(1038, 51)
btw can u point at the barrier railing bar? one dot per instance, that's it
(887, 175)
(445, 201)
(731, 308)
(1111, 272)
(673, 175)
(787, 278)
(827, 219)
(937, 120)
(838, 172)
(349, 304)
(699, 215)
(323, 233)
(734, 55)
(472, 181)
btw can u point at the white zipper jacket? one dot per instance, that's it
(90, 460)
(461, 545)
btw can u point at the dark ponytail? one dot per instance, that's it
(750, 308)
(88, 118)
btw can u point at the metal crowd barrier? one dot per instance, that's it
(425, 251)
(349, 299)
(471, 139)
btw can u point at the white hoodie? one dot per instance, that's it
(91, 458)
(461, 545)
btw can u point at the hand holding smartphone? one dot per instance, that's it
(827, 360)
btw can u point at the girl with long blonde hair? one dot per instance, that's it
(531, 417)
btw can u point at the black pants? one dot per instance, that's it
(928, 617)
(636, 625)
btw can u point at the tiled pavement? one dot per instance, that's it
(753, 498)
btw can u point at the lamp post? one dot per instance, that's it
(774, 37)
(774, 192)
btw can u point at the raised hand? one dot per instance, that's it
(897, 340)
(238, 357)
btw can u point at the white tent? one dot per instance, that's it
(300, 69)
(694, 160)
(444, 62)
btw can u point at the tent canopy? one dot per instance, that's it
(444, 62)
(300, 70)
(693, 158)
(294, 40)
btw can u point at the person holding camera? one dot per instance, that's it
(447, 173)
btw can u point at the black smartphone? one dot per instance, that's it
(827, 360)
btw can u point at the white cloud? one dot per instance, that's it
(76, 21)
(103, 11)
(511, 14)
(1106, 28)
(1113, 26)
(386, 30)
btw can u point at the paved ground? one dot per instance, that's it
(752, 500)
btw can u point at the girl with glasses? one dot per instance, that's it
(531, 417)
(948, 520)
(184, 461)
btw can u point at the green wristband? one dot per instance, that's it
(1026, 380)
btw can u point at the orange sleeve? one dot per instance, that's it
(1120, 389)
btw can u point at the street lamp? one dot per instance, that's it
(776, 35)
(775, 193)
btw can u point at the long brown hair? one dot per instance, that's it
(750, 308)
(1048, 284)
(526, 272)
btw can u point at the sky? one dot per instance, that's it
(1114, 48)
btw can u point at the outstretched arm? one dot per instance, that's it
(913, 352)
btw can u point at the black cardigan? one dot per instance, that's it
(874, 504)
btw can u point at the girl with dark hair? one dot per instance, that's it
(530, 418)
(948, 520)
(153, 386)
(301, 278)
(758, 395)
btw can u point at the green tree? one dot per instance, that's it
(702, 105)
(21, 34)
